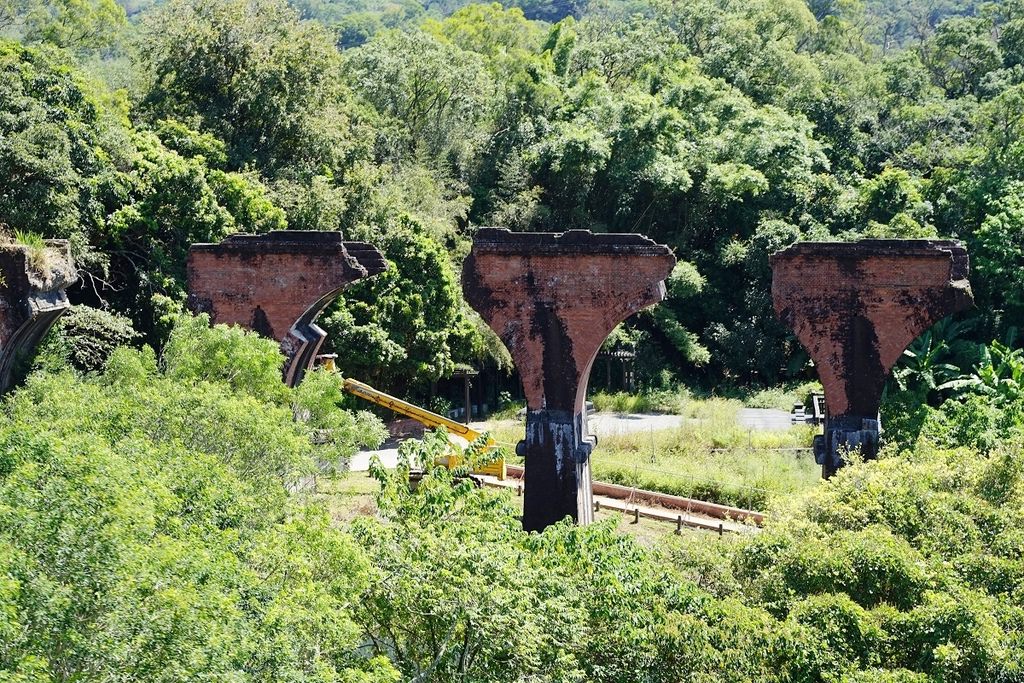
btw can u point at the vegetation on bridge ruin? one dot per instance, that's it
(724, 129)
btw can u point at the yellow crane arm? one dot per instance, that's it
(428, 419)
(421, 415)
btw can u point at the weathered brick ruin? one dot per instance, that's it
(32, 283)
(553, 299)
(277, 284)
(855, 307)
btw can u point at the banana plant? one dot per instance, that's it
(999, 374)
(935, 358)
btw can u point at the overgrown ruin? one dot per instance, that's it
(553, 299)
(32, 297)
(277, 284)
(855, 307)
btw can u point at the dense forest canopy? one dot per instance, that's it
(725, 129)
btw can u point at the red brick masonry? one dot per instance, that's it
(856, 306)
(553, 299)
(277, 284)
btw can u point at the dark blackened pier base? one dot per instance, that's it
(557, 451)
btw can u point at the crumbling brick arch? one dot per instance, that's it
(553, 299)
(277, 284)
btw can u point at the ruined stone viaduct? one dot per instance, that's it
(553, 299)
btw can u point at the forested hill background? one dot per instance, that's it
(724, 128)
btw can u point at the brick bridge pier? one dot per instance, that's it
(855, 307)
(277, 284)
(32, 297)
(553, 299)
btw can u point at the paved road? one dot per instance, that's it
(609, 424)
(388, 457)
(612, 424)
(765, 419)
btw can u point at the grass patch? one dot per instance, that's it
(347, 495)
(781, 397)
(713, 462)
(621, 402)
(681, 401)
(710, 457)
(509, 411)
(35, 250)
(40, 257)
(671, 402)
(30, 240)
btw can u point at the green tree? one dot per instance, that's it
(401, 328)
(253, 75)
(52, 146)
(961, 53)
(146, 529)
(999, 257)
(85, 338)
(76, 25)
(434, 94)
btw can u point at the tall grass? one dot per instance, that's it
(38, 254)
(681, 402)
(709, 457)
(782, 397)
(509, 411)
(673, 402)
(721, 463)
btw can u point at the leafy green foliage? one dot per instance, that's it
(145, 527)
(249, 364)
(877, 575)
(78, 25)
(726, 129)
(147, 524)
(404, 325)
(150, 524)
(998, 256)
(437, 101)
(340, 433)
(85, 338)
(999, 375)
(251, 74)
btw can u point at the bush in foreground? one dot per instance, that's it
(147, 534)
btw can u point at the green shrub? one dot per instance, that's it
(670, 401)
(145, 528)
(782, 397)
(250, 364)
(973, 421)
(845, 629)
(85, 337)
(620, 402)
(953, 636)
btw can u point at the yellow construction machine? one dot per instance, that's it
(459, 434)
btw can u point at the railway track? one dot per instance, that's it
(677, 510)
